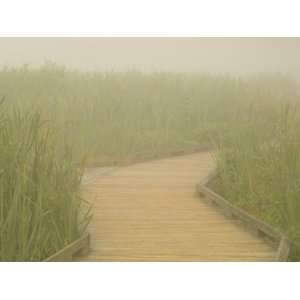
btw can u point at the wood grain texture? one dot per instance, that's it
(151, 212)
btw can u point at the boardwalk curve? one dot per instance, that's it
(151, 212)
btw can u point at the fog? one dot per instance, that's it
(236, 56)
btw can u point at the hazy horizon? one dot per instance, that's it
(236, 56)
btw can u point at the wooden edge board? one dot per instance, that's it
(230, 210)
(283, 250)
(78, 247)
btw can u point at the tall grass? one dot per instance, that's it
(260, 171)
(120, 117)
(39, 189)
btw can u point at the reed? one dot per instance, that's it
(40, 204)
(260, 170)
(121, 117)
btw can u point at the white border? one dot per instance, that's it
(150, 18)
(154, 280)
(149, 281)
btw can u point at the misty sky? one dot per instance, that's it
(216, 55)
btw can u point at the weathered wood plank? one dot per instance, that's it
(150, 212)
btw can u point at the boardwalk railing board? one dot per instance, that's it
(79, 247)
(259, 227)
(283, 249)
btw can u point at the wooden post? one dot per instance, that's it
(283, 249)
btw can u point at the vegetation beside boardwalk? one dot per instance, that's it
(40, 204)
(260, 171)
(52, 119)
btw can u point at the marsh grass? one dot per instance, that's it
(121, 117)
(39, 189)
(260, 171)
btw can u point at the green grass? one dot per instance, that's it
(119, 117)
(260, 170)
(52, 119)
(40, 204)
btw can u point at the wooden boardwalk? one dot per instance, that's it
(151, 212)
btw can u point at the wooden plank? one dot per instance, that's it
(233, 211)
(259, 227)
(80, 247)
(150, 212)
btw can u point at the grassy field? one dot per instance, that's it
(260, 171)
(53, 120)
